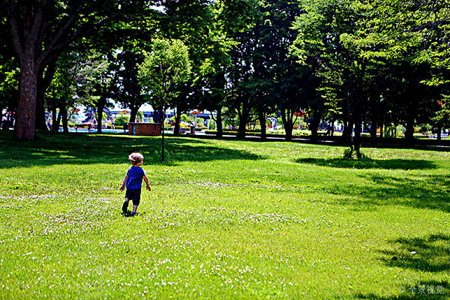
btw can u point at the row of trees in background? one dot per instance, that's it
(39, 35)
(379, 62)
(385, 62)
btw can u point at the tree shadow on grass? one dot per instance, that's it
(428, 254)
(368, 163)
(52, 149)
(424, 192)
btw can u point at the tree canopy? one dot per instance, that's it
(165, 66)
(41, 30)
(380, 62)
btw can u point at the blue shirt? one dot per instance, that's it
(134, 180)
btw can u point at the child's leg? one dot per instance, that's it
(125, 205)
(136, 201)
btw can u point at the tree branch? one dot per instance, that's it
(55, 44)
(17, 42)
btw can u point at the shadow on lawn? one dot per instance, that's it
(427, 254)
(51, 149)
(426, 191)
(368, 163)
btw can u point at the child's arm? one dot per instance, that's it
(148, 184)
(124, 183)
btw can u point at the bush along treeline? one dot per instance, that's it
(382, 62)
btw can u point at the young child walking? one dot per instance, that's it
(133, 182)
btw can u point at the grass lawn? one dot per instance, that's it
(225, 220)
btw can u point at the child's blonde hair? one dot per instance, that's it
(135, 158)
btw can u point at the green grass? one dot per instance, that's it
(225, 220)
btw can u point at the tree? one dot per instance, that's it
(242, 81)
(394, 27)
(342, 68)
(207, 29)
(411, 100)
(41, 30)
(410, 38)
(79, 77)
(282, 83)
(128, 90)
(195, 27)
(165, 66)
(230, 17)
(101, 79)
(60, 93)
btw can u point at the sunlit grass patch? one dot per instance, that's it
(225, 220)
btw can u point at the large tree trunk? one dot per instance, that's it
(262, 121)
(288, 122)
(347, 133)
(133, 113)
(29, 29)
(409, 134)
(25, 128)
(100, 106)
(357, 137)
(219, 123)
(55, 121)
(241, 130)
(243, 120)
(163, 146)
(373, 130)
(314, 126)
(176, 129)
(63, 117)
(439, 131)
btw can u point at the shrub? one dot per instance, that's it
(121, 120)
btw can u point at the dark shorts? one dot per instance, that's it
(133, 195)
